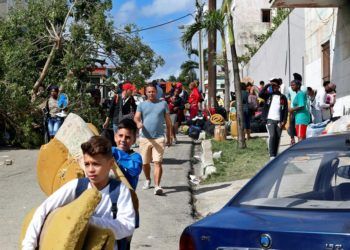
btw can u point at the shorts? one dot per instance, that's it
(152, 149)
(173, 118)
(301, 130)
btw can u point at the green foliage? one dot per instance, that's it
(172, 78)
(27, 37)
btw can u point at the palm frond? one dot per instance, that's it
(188, 34)
(214, 20)
(193, 52)
(189, 65)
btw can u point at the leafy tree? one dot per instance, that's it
(188, 73)
(172, 78)
(59, 42)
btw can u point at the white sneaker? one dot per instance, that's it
(158, 190)
(146, 184)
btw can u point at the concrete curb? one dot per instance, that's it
(207, 166)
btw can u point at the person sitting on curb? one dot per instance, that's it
(98, 161)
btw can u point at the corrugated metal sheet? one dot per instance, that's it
(306, 3)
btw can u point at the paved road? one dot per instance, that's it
(162, 217)
(19, 193)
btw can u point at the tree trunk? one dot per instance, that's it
(227, 81)
(211, 59)
(237, 83)
(57, 44)
(43, 73)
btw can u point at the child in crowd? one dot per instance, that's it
(129, 161)
(98, 161)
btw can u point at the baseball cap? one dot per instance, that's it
(179, 85)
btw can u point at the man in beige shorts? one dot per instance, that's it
(150, 117)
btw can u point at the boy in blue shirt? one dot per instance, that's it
(129, 161)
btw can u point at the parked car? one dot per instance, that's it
(299, 200)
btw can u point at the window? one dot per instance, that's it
(326, 65)
(266, 15)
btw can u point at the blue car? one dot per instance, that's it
(300, 200)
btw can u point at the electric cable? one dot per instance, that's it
(155, 26)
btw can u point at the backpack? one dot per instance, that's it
(114, 189)
(252, 102)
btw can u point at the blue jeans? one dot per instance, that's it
(115, 128)
(53, 124)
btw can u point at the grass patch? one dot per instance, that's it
(237, 164)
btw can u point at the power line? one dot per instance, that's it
(155, 26)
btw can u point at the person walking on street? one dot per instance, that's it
(193, 100)
(246, 112)
(54, 122)
(323, 109)
(311, 98)
(299, 110)
(129, 103)
(115, 113)
(150, 117)
(275, 113)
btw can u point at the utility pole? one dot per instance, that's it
(289, 59)
(211, 60)
(199, 15)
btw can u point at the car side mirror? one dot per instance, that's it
(344, 172)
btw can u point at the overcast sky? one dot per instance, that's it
(165, 40)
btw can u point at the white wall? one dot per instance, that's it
(333, 25)
(247, 24)
(272, 58)
(320, 27)
(341, 61)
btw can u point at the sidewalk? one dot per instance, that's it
(212, 197)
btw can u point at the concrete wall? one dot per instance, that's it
(272, 58)
(333, 25)
(341, 61)
(3, 8)
(320, 26)
(6, 5)
(247, 22)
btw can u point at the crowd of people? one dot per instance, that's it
(128, 117)
(295, 110)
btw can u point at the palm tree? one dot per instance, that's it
(215, 21)
(187, 69)
(212, 21)
(237, 82)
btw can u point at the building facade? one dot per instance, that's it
(327, 46)
(251, 18)
(282, 54)
(6, 5)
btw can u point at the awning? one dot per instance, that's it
(306, 3)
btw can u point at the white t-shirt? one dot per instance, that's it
(275, 108)
(123, 226)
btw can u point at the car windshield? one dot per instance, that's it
(301, 180)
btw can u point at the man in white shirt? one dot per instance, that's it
(322, 109)
(98, 160)
(274, 113)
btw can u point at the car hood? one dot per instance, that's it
(289, 229)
